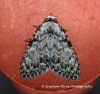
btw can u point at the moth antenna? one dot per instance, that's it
(51, 14)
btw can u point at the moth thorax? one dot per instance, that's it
(50, 29)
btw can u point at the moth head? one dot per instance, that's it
(50, 18)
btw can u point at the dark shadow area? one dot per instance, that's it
(5, 85)
(96, 87)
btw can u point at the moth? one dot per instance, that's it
(50, 49)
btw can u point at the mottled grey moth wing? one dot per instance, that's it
(50, 48)
(65, 62)
(34, 61)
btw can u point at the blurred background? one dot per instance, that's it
(5, 85)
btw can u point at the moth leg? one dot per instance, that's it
(27, 40)
(35, 26)
(66, 30)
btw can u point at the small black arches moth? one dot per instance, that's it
(50, 49)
